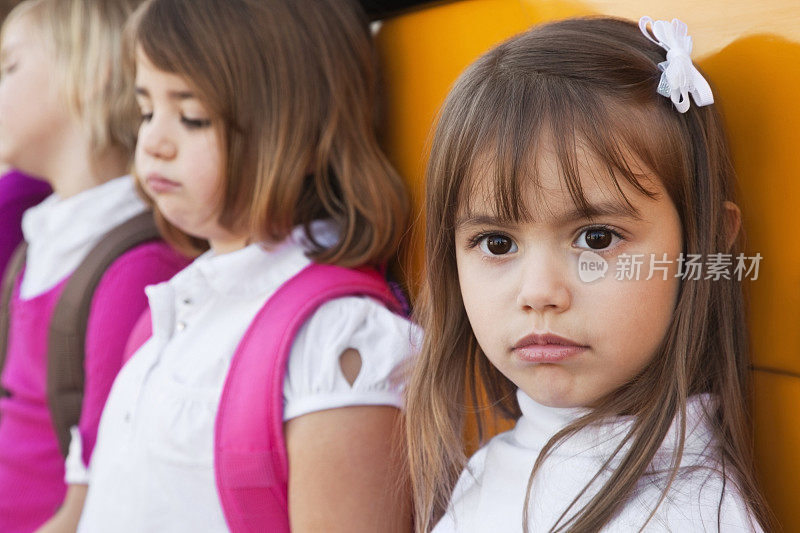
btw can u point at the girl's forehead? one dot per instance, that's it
(19, 33)
(149, 74)
(543, 190)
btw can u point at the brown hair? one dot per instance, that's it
(85, 39)
(294, 84)
(592, 81)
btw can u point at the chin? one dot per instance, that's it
(554, 392)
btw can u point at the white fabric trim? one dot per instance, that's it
(61, 232)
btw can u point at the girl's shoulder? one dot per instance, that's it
(477, 499)
(702, 496)
(700, 499)
(498, 457)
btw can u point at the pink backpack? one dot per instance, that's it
(250, 459)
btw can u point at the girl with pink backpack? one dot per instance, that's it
(265, 392)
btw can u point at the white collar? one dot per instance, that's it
(260, 268)
(254, 269)
(253, 273)
(539, 423)
(61, 232)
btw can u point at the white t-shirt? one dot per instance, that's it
(152, 468)
(490, 494)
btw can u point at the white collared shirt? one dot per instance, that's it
(490, 494)
(61, 232)
(152, 468)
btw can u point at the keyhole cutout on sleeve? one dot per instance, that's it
(350, 363)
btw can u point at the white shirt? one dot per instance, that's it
(61, 232)
(152, 468)
(490, 494)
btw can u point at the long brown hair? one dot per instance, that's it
(294, 83)
(592, 81)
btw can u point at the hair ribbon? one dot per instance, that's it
(679, 76)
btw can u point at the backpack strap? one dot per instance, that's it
(67, 336)
(13, 270)
(250, 458)
(141, 332)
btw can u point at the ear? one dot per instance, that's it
(733, 222)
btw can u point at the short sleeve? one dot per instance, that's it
(314, 380)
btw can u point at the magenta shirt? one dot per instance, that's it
(31, 465)
(18, 192)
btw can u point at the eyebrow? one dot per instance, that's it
(592, 211)
(172, 95)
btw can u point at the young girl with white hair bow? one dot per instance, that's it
(557, 150)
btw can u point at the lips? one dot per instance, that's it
(546, 348)
(159, 184)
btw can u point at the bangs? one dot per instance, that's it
(173, 37)
(160, 29)
(497, 150)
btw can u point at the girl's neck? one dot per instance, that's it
(73, 170)
(227, 243)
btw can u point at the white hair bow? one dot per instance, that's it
(679, 77)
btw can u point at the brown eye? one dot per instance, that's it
(598, 239)
(498, 245)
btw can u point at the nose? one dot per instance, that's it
(155, 140)
(544, 285)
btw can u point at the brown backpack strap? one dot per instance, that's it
(67, 338)
(13, 270)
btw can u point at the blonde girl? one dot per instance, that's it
(67, 115)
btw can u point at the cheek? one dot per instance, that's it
(30, 121)
(18, 112)
(9, 122)
(468, 281)
(636, 315)
(38, 95)
(487, 299)
(138, 158)
(7, 106)
(205, 170)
